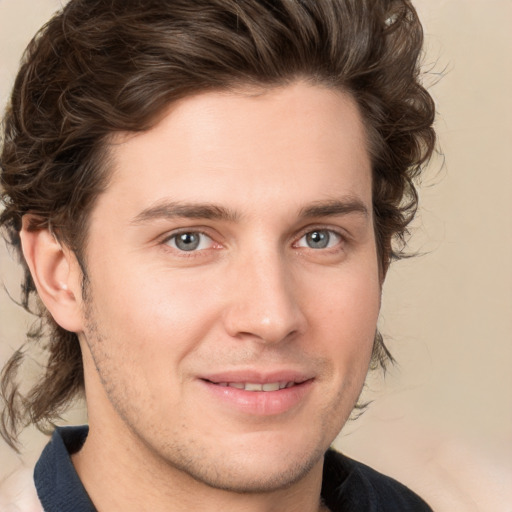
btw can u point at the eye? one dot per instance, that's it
(320, 239)
(190, 241)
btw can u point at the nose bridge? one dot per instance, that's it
(263, 298)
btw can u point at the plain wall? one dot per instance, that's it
(441, 420)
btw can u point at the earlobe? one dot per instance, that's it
(56, 275)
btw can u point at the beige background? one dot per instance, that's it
(442, 420)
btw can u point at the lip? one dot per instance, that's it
(259, 377)
(258, 403)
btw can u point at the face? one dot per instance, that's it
(233, 285)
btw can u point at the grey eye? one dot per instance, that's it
(187, 241)
(320, 239)
(190, 241)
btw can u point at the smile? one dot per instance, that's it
(252, 386)
(259, 395)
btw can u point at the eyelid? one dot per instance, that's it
(205, 231)
(165, 240)
(339, 232)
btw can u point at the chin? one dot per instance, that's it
(253, 474)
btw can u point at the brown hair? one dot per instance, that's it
(101, 66)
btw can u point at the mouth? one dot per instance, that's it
(255, 386)
(259, 393)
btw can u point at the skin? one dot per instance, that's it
(284, 168)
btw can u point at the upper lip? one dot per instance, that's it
(258, 377)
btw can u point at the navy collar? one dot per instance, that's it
(58, 487)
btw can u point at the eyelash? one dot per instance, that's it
(341, 239)
(174, 237)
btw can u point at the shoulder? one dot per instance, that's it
(356, 486)
(18, 492)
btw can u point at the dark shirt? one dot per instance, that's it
(348, 486)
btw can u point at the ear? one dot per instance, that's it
(56, 274)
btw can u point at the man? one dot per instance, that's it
(205, 196)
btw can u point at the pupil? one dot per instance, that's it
(318, 239)
(187, 241)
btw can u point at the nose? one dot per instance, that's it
(263, 303)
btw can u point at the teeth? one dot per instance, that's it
(252, 386)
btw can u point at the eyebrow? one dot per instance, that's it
(173, 209)
(335, 207)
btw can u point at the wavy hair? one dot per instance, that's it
(103, 66)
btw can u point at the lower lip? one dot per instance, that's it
(260, 403)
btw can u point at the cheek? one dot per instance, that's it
(351, 299)
(158, 319)
(345, 316)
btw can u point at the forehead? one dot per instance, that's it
(296, 143)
